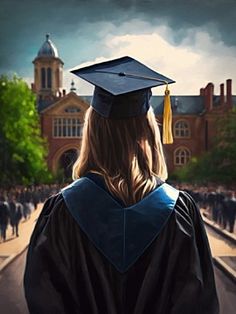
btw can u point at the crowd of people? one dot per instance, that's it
(17, 203)
(216, 203)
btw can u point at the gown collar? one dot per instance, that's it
(121, 234)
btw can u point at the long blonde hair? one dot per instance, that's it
(126, 152)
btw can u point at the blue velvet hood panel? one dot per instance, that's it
(121, 234)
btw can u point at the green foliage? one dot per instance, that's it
(22, 148)
(219, 164)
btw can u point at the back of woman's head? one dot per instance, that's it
(126, 152)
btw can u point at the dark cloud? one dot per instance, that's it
(23, 23)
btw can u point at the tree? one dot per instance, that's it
(219, 164)
(22, 148)
(224, 150)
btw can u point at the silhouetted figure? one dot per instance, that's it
(15, 215)
(230, 207)
(35, 198)
(26, 210)
(4, 219)
(213, 205)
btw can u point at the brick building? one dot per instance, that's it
(62, 114)
(194, 122)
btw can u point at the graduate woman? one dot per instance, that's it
(119, 240)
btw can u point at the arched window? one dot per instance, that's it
(49, 77)
(43, 78)
(181, 129)
(67, 160)
(35, 75)
(182, 156)
(58, 78)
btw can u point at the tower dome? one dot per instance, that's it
(48, 71)
(48, 49)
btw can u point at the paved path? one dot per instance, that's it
(226, 290)
(12, 300)
(219, 245)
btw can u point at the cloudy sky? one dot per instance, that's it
(190, 41)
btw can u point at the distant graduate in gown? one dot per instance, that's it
(119, 239)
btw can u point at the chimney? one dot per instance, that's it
(64, 92)
(222, 96)
(209, 91)
(202, 91)
(229, 93)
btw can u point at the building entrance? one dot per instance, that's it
(66, 162)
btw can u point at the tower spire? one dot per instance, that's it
(73, 88)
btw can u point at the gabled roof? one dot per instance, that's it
(87, 99)
(180, 105)
(44, 105)
(234, 101)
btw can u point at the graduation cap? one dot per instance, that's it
(123, 90)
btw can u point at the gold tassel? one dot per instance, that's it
(167, 137)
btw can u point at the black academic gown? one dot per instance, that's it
(89, 254)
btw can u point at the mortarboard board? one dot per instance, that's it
(122, 86)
